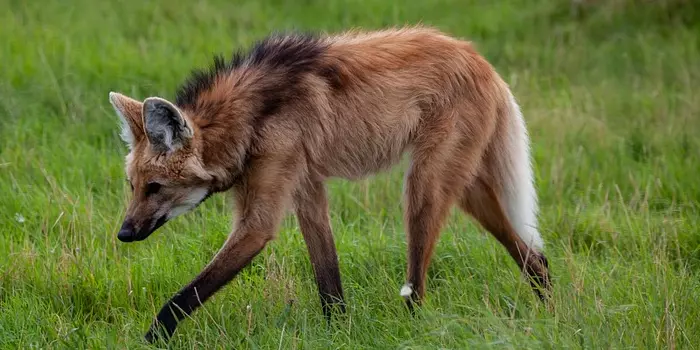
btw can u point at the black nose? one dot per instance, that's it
(127, 232)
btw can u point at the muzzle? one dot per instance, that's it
(128, 232)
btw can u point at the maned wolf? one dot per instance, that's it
(273, 124)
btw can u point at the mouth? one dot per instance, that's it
(160, 222)
(128, 233)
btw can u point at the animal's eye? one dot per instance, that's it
(152, 187)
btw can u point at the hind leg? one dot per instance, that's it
(425, 211)
(481, 201)
(438, 167)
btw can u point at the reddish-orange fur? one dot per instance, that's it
(366, 99)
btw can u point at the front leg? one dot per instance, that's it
(261, 201)
(311, 205)
(240, 248)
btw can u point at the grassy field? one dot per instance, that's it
(610, 94)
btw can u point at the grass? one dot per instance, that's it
(610, 94)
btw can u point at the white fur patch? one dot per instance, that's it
(126, 135)
(520, 195)
(406, 290)
(192, 199)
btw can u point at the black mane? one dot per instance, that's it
(295, 53)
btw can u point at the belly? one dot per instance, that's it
(361, 147)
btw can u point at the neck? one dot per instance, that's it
(223, 117)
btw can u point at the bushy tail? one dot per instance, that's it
(519, 195)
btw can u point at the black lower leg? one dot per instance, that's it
(537, 270)
(170, 315)
(226, 265)
(330, 290)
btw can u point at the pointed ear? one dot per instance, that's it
(166, 127)
(129, 111)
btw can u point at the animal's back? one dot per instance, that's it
(383, 89)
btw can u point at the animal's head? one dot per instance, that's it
(163, 166)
